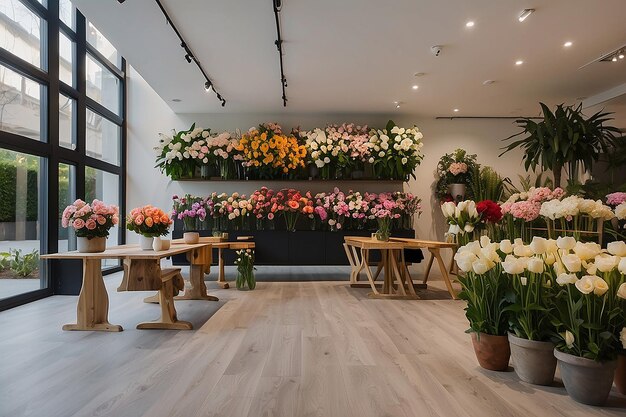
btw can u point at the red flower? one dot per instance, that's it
(490, 211)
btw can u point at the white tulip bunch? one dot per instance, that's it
(463, 218)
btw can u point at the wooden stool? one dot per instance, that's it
(172, 283)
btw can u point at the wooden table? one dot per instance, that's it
(142, 272)
(434, 248)
(397, 283)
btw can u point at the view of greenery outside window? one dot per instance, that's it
(61, 137)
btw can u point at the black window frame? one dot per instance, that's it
(50, 148)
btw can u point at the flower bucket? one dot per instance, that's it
(93, 245)
(620, 373)
(457, 191)
(586, 381)
(492, 352)
(145, 242)
(533, 360)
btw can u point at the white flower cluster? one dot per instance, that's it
(400, 141)
(462, 217)
(572, 206)
(620, 211)
(322, 148)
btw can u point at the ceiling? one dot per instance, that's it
(360, 56)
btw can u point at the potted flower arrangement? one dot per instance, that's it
(190, 210)
(589, 318)
(173, 152)
(91, 223)
(464, 220)
(395, 151)
(484, 287)
(453, 172)
(148, 222)
(245, 269)
(533, 288)
(221, 152)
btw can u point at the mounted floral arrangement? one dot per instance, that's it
(264, 208)
(190, 210)
(454, 168)
(173, 157)
(294, 204)
(90, 220)
(396, 151)
(148, 221)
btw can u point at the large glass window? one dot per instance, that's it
(21, 32)
(20, 105)
(21, 222)
(78, 147)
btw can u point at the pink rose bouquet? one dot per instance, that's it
(90, 220)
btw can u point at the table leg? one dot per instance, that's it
(429, 267)
(368, 272)
(92, 312)
(198, 290)
(444, 271)
(221, 278)
(453, 266)
(353, 264)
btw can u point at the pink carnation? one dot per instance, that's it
(526, 210)
(615, 199)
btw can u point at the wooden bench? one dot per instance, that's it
(172, 283)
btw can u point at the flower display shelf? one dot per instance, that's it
(302, 247)
(360, 180)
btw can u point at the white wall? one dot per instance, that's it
(148, 115)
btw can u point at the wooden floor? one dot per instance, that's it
(285, 349)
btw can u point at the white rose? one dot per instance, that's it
(404, 160)
(564, 279)
(617, 248)
(585, 284)
(572, 262)
(506, 246)
(600, 287)
(606, 263)
(381, 154)
(569, 339)
(535, 265)
(539, 245)
(371, 160)
(566, 242)
(326, 160)
(621, 291)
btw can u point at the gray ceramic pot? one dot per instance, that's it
(533, 361)
(586, 381)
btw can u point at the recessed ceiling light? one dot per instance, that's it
(470, 24)
(456, 110)
(567, 44)
(519, 62)
(397, 106)
(419, 74)
(415, 87)
(614, 59)
(176, 100)
(487, 82)
(621, 56)
(525, 14)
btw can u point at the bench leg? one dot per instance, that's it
(168, 318)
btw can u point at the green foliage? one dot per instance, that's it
(8, 192)
(20, 265)
(564, 139)
(486, 184)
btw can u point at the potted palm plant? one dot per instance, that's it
(564, 139)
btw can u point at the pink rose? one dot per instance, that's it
(78, 224)
(115, 219)
(101, 220)
(91, 224)
(139, 219)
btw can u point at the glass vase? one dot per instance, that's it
(384, 229)
(245, 280)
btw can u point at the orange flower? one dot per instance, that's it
(165, 219)
(293, 204)
(148, 221)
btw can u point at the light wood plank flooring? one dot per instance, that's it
(286, 349)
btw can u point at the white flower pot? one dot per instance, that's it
(145, 242)
(191, 238)
(93, 245)
(457, 191)
(161, 244)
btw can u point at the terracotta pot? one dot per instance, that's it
(492, 352)
(191, 238)
(533, 361)
(145, 242)
(620, 373)
(586, 381)
(160, 244)
(93, 245)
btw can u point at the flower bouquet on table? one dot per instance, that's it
(485, 288)
(590, 317)
(395, 151)
(245, 269)
(148, 222)
(383, 212)
(91, 223)
(529, 268)
(464, 221)
(190, 211)
(293, 205)
(454, 174)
